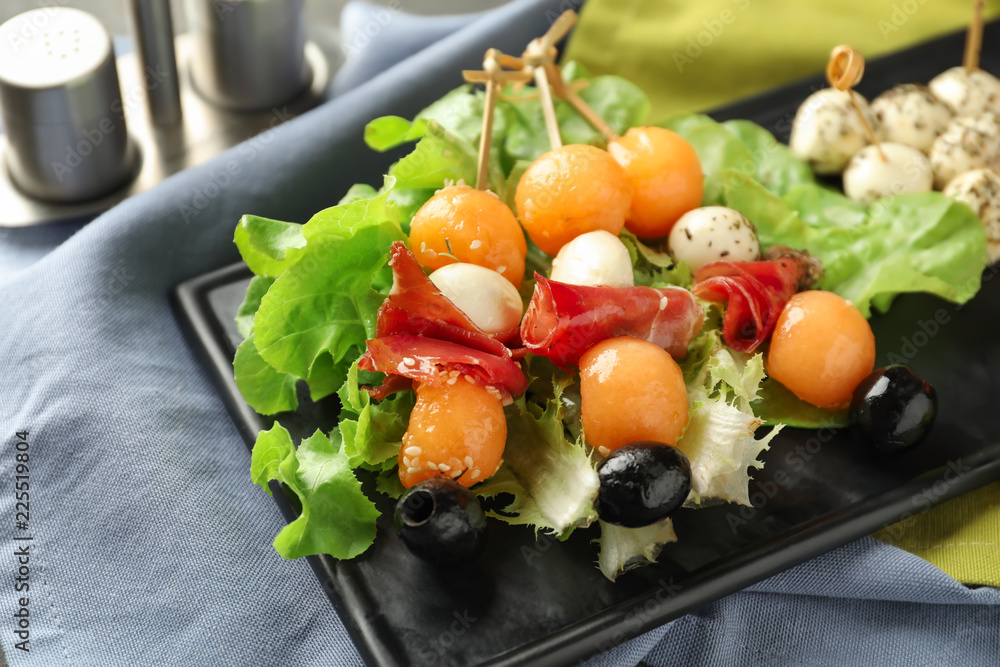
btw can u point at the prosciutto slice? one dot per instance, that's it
(415, 305)
(563, 321)
(422, 336)
(439, 362)
(755, 293)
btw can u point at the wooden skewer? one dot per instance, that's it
(541, 53)
(974, 38)
(844, 71)
(567, 93)
(548, 107)
(492, 76)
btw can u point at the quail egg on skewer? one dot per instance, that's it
(827, 131)
(910, 114)
(870, 176)
(967, 144)
(967, 93)
(980, 189)
(712, 233)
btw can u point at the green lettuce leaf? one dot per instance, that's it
(777, 405)
(265, 390)
(264, 244)
(373, 432)
(325, 302)
(336, 518)
(388, 132)
(907, 243)
(775, 167)
(654, 268)
(251, 302)
(623, 549)
(740, 146)
(552, 480)
(619, 102)
(357, 192)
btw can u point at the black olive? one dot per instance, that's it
(642, 483)
(441, 521)
(892, 409)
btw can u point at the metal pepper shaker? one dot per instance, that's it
(61, 106)
(248, 55)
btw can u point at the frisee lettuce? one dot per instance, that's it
(622, 549)
(719, 440)
(551, 479)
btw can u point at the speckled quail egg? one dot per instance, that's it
(980, 189)
(910, 114)
(967, 93)
(967, 144)
(594, 258)
(712, 233)
(869, 176)
(489, 299)
(827, 131)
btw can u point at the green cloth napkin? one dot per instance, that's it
(690, 56)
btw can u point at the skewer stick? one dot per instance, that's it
(493, 77)
(974, 38)
(486, 137)
(844, 71)
(567, 93)
(548, 107)
(541, 53)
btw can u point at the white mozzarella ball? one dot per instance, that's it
(910, 114)
(980, 189)
(869, 177)
(967, 144)
(967, 93)
(594, 258)
(827, 131)
(712, 233)
(488, 298)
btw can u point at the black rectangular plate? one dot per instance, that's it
(542, 602)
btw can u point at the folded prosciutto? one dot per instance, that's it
(563, 321)
(755, 292)
(439, 362)
(421, 335)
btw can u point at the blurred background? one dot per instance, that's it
(113, 13)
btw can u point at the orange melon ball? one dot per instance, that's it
(632, 390)
(821, 349)
(666, 178)
(457, 430)
(570, 191)
(478, 227)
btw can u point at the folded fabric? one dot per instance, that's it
(150, 545)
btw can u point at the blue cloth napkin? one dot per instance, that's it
(149, 544)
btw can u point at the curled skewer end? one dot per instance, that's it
(844, 71)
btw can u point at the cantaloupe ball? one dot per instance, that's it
(462, 224)
(666, 178)
(570, 191)
(631, 391)
(821, 349)
(457, 430)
